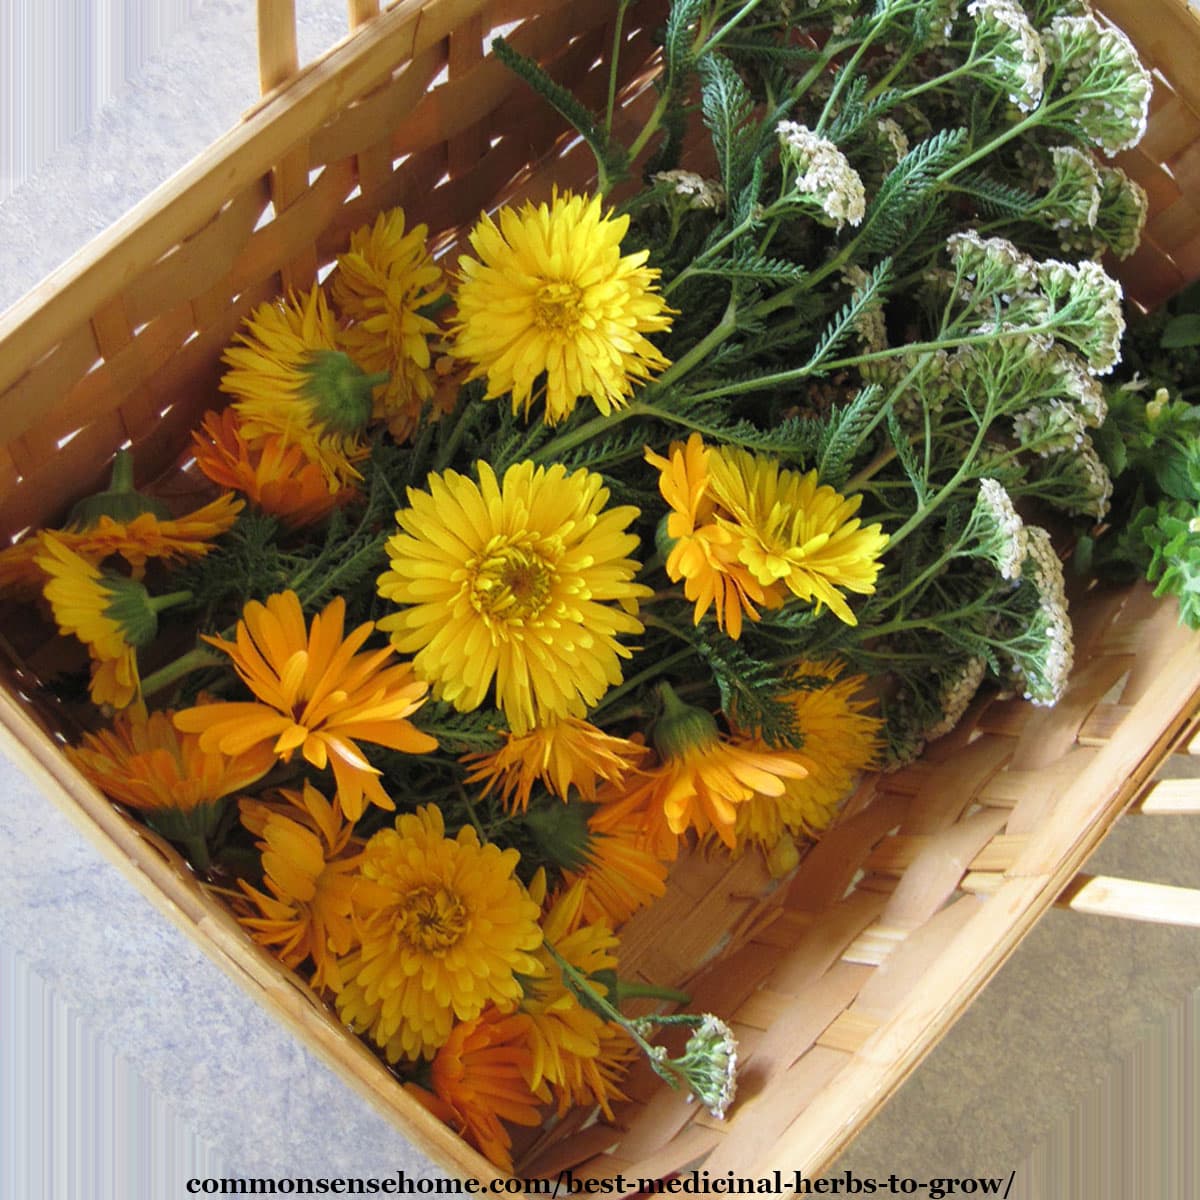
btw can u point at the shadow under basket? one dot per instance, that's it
(836, 982)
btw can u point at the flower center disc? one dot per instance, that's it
(557, 307)
(432, 919)
(510, 582)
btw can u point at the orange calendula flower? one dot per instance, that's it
(703, 778)
(380, 287)
(446, 929)
(136, 540)
(310, 879)
(552, 295)
(748, 532)
(479, 1081)
(143, 761)
(618, 870)
(523, 582)
(271, 472)
(704, 553)
(561, 754)
(316, 694)
(840, 740)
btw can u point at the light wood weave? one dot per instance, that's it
(837, 983)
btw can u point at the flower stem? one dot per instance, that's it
(169, 600)
(194, 660)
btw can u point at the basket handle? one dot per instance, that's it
(278, 59)
(1133, 899)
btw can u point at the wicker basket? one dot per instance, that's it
(836, 984)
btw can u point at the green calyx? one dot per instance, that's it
(561, 833)
(135, 610)
(190, 828)
(120, 501)
(681, 725)
(340, 392)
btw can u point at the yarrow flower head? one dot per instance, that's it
(381, 285)
(819, 177)
(1055, 427)
(550, 294)
(1009, 52)
(994, 266)
(1083, 304)
(524, 583)
(1124, 207)
(955, 694)
(708, 1065)
(698, 193)
(1045, 649)
(1098, 71)
(446, 929)
(1072, 205)
(997, 532)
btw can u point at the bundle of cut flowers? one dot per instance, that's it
(651, 519)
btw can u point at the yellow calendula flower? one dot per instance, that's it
(524, 583)
(840, 740)
(310, 878)
(551, 294)
(316, 694)
(479, 1081)
(379, 288)
(269, 470)
(110, 614)
(749, 532)
(562, 754)
(446, 928)
(564, 1035)
(289, 377)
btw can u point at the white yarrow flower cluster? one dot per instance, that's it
(821, 175)
(1055, 427)
(999, 530)
(1046, 663)
(1083, 302)
(994, 265)
(1011, 52)
(870, 324)
(700, 193)
(1098, 67)
(1072, 206)
(895, 137)
(1124, 207)
(956, 693)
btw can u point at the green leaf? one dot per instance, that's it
(843, 323)
(612, 160)
(1182, 331)
(726, 105)
(844, 432)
